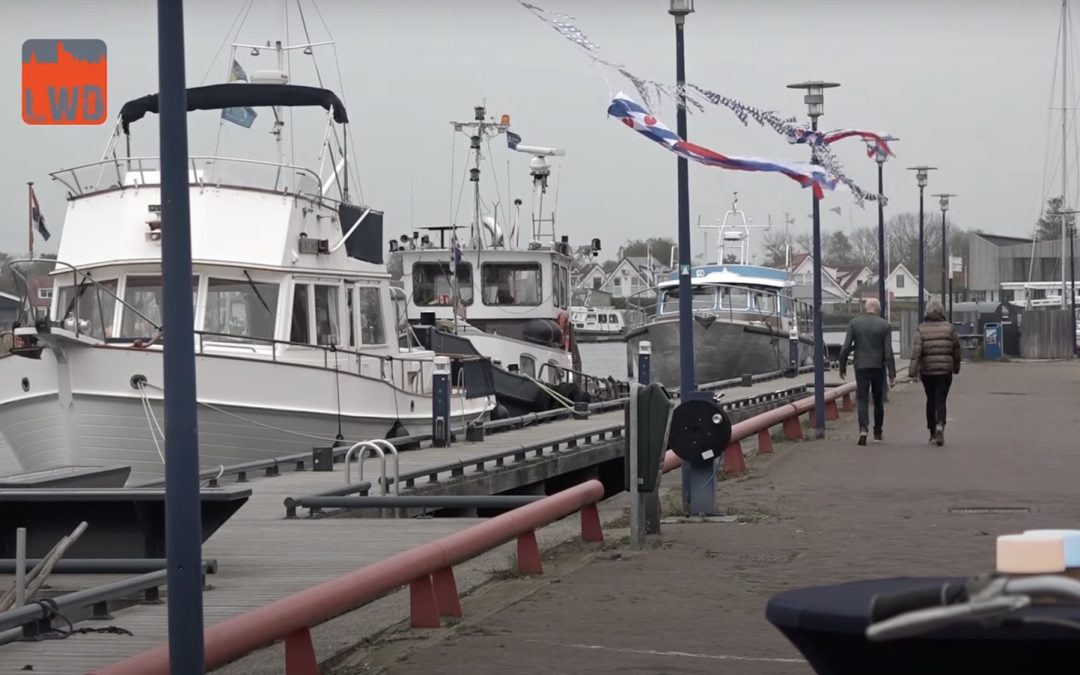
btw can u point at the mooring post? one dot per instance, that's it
(20, 567)
(652, 499)
(440, 403)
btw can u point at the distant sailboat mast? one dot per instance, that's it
(1064, 142)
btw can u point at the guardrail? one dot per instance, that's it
(787, 414)
(428, 571)
(501, 458)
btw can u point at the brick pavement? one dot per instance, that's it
(812, 513)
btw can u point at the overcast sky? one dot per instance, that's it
(966, 85)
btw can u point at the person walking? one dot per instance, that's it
(871, 337)
(934, 360)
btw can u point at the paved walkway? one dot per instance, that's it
(813, 513)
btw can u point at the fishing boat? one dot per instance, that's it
(487, 294)
(295, 320)
(744, 316)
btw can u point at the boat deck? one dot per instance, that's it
(263, 556)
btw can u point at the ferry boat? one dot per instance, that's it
(295, 326)
(745, 317)
(486, 294)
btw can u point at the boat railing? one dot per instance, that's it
(203, 171)
(598, 388)
(647, 305)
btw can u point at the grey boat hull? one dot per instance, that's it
(722, 350)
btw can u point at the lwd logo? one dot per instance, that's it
(64, 82)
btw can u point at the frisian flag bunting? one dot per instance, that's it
(875, 143)
(637, 118)
(245, 116)
(512, 140)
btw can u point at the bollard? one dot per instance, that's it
(651, 505)
(644, 360)
(440, 403)
(793, 350)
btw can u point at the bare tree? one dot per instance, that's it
(864, 247)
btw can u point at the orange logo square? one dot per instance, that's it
(64, 82)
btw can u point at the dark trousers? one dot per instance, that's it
(869, 380)
(937, 391)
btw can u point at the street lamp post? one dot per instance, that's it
(880, 157)
(943, 200)
(921, 173)
(698, 478)
(815, 102)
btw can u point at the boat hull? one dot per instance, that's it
(85, 412)
(722, 350)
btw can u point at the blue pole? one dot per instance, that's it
(440, 403)
(882, 271)
(183, 529)
(819, 339)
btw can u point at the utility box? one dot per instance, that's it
(992, 341)
(322, 459)
(654, 413)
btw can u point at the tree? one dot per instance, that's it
(864, 247)
(609, 266)
(1048, 226)
(836, 250)
(658, 247)
(776, 245)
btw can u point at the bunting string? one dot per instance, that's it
(653, 93)
(640, 120)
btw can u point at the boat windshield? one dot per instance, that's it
(703, 297)
(241, 308)
(91, 305)
(144, 294)
(511, 284)
(432, 286)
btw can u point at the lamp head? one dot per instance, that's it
(921, 173)
(680, 8)
(815, 95)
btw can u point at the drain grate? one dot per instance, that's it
(990, 509)
(760, 558)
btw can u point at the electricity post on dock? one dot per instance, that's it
(183, 527)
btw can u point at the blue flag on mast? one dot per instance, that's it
(242, 116)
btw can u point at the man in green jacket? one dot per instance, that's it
(871, 337)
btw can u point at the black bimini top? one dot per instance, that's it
(237, 95)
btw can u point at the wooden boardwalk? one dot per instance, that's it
(262, 556)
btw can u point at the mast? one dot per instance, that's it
(1064, 143)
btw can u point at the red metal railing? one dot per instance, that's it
(428, 571)
(787, 414)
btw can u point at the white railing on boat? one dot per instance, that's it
(203, 170)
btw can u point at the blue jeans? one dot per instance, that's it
(867, 380)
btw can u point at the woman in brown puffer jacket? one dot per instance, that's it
(935, 359)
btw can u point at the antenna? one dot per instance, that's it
(479, 130)
(540, 170)
(733, 235)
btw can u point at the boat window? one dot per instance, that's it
(91, 304)
(350, 293)
(144, 294)
(560, 285)
(371, 316)
(766, 302)
(326, 314)
(241, 308)
(703, 297)
(602, 318)
(613, 318)
(432, 287)
(527, 365)
(299, 332)
(734, 298)
(511, 284)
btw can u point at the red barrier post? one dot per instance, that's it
(764, 442)
(300, 654)
(848, 405)
(423, 606)
(734, 462)
(446, 592)
(591, 529)
(831, 412)
(528, 554)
